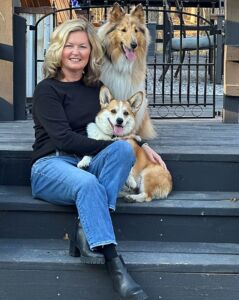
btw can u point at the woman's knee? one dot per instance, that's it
(124, 151)
(87, 183)
(89, 189)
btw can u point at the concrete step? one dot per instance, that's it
(187, 216)
(41, 269)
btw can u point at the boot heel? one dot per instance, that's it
(80, 247)
(73, 250)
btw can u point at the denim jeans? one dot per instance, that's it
(56, 179)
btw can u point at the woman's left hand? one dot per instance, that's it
(153, 156)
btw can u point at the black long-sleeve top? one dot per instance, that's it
(61, 112)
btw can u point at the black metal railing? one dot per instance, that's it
(180, 81)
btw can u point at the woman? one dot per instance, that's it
(64, 103)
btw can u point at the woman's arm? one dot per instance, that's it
(53, 124)
(153, 156)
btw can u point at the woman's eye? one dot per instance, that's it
(69, 46)
(126, 113)
(113, 111)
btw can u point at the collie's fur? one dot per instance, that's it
(125, 39)
(117, 119)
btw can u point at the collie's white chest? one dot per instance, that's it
(121, 81)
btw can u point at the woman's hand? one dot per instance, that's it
(153, 156)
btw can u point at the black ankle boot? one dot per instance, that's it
(80, 247)
(123, 283)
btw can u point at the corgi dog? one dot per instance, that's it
(116, 120)
(125, 39)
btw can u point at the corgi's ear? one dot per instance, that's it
(116, 13)
(136, 101)
(138, 12)
(105, 96)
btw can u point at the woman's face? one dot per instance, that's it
(76, 53)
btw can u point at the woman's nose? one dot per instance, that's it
(76, 50)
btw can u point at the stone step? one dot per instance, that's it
(42, 269)
(187, 216)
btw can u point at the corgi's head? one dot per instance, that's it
(125, 36)
(117, 118)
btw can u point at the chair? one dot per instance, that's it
(183, 43)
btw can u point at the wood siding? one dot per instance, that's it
(6, 74)
(35, 3)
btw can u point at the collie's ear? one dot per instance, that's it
(105, 96)
(138, 12)
(116, 13)
(136, 101)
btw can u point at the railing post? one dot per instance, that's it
(19, 67)
(231, 63)
(70, 6)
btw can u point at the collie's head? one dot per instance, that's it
(125, 37)
(117, 118)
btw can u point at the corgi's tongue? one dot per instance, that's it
(130, 54)
(118, 130)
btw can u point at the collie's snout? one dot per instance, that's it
(133, 45)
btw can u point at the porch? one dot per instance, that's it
(193, 93)
(185, 245)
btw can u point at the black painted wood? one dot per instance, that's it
(184, 247)
(156, 3)
(174, 137)
(181, 202)
(200, 154)
(184, 216)
(42, 269)
(181, 257)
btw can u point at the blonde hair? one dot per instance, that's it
(52, 62)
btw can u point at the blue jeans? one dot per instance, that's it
(56, 179)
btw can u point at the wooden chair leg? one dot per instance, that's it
(168, 61)
(210, 60)
(182, 57)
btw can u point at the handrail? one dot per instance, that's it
(6, 52)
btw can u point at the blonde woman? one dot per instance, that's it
(64, 103)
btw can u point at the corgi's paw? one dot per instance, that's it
(131, 183)
(142, 197)
(122, 194)
(126, 189)
(129, 199)
(84, 162)
(137, 138)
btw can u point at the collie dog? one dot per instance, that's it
(125, 39)
(117, 119)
